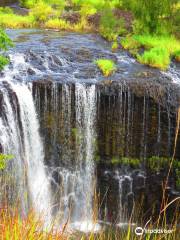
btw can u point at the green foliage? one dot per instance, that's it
(106, 66)
(98, 4)
(28, 3)
(153, 16)
(6, 10)
(156, 163)
(177, 55)
(5, 43)
(41, 12)
(57, 23)
(87, 10)
(156, 57)
(133, 162)
(15, 21)
(3, 62)
(110, 26)
(3, 160)
(158, 50)
(115, 46)
(59, 4)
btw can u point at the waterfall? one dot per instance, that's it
(19, 136)
(85, 124)
(125, 183)
(74, 186)
(33, 151)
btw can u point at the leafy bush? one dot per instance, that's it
(3, 62)
(110, 26)
(5, 43)
(153, 16)
(106, 66)
(41, 12)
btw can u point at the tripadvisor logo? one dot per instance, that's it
(140, 231)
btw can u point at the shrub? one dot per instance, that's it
(153, 16)
(106, 66)
(3, 62)
(41, 12)
(5, 43)
(110, 26)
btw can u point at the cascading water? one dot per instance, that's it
(85, 123)
(74, 186)
(20, 137)
(125, 187)
(72, 198)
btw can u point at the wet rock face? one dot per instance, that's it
(126, 125)
(135, 113)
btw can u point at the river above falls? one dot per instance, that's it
(81, 135)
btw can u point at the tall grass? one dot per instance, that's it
(15, 21)
(158, 49)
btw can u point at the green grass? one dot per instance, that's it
(133, 162)
(114, 46)
(106, 66)
(15, 21)
(158, 49)
(57, 23)
(155, 57)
